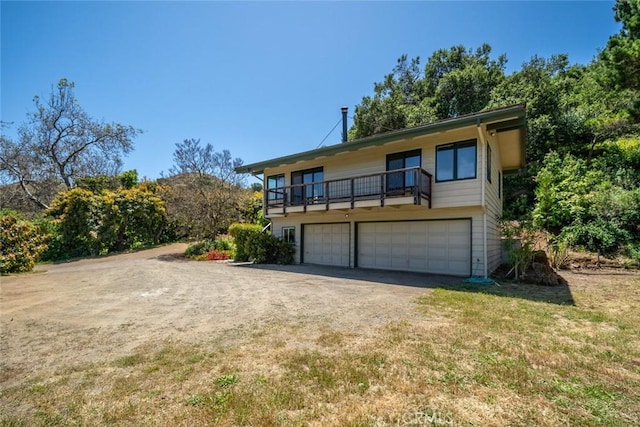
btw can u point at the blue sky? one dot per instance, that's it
(261, 79)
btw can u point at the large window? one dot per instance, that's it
(456, 161)
(275, 192)
(312, 193)
(402, 180)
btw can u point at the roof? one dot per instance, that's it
(508, 118)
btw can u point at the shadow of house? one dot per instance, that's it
(560, 294)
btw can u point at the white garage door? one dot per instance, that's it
(442, 247)
(326, 244)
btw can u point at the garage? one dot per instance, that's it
(326, 244)
(439, 246)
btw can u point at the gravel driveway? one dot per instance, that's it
(94, 310)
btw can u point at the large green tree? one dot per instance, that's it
(622, 52)
(453, 82)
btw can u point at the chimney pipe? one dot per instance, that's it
(344, 123)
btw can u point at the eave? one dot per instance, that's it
(499, 119)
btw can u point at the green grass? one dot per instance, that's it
(470, 357)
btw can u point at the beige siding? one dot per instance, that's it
(455, 199)
(373, 160)
(387, 214)
(494, 210)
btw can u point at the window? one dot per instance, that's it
(289, 234)
(275, 192)
(401, 180)
(488, 162)
(309, 193)
(456, 161)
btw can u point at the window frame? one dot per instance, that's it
(300, 193)
(289, 234)
(488, 162)
(455, 146)
(406, 176)
(271, 197)
(499, 185)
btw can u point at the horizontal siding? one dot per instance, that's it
(494, 211)
(373, 160)
(386, 214)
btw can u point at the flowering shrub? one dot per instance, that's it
(218, 255)
(21, 243)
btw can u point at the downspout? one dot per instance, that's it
(483, 205)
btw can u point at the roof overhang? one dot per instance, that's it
(507, 124)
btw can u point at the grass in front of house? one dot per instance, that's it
(472, 357)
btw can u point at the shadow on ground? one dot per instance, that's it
(560, 294)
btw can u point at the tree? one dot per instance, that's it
(454, 82)
(204, 192)
(60, 143)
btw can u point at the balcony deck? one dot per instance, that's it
(411, 186)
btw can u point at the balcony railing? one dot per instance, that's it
(410, 182)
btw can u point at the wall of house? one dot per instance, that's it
(454, 199)
(406, 213)
(372, 160)
(493, 201)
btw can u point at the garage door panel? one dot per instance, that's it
(441, 246)
(326, 244)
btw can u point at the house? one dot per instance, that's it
(424, 199)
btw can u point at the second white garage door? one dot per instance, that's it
(326, 244)
(442, 247)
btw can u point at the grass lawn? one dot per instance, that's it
(478, 356)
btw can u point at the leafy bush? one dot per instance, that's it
(242, 234)
(263, 248)
(593, 208)
(88, 223)
(200, 248)
(222, 246)
(21, 243)
(224, 243)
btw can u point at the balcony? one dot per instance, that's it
(410, 186)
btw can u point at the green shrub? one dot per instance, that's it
(21, 243)
(632, 250)
(267, 249)
(224, 243)
(204, 247)
(260, 247)
(242, 235)
(200, 248)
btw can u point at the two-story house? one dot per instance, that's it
(423, 199)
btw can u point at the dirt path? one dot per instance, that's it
(95, 310)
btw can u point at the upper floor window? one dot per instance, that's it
(456, 161)
(313, 188)
(404, 160)
(274, 187)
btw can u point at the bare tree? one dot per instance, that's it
(60, 143)
(204, 190)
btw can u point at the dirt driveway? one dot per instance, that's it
(94, 310)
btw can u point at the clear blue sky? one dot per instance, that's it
(261, 79)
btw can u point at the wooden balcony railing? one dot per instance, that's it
(407, 182)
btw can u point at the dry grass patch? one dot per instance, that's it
(473, 357)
